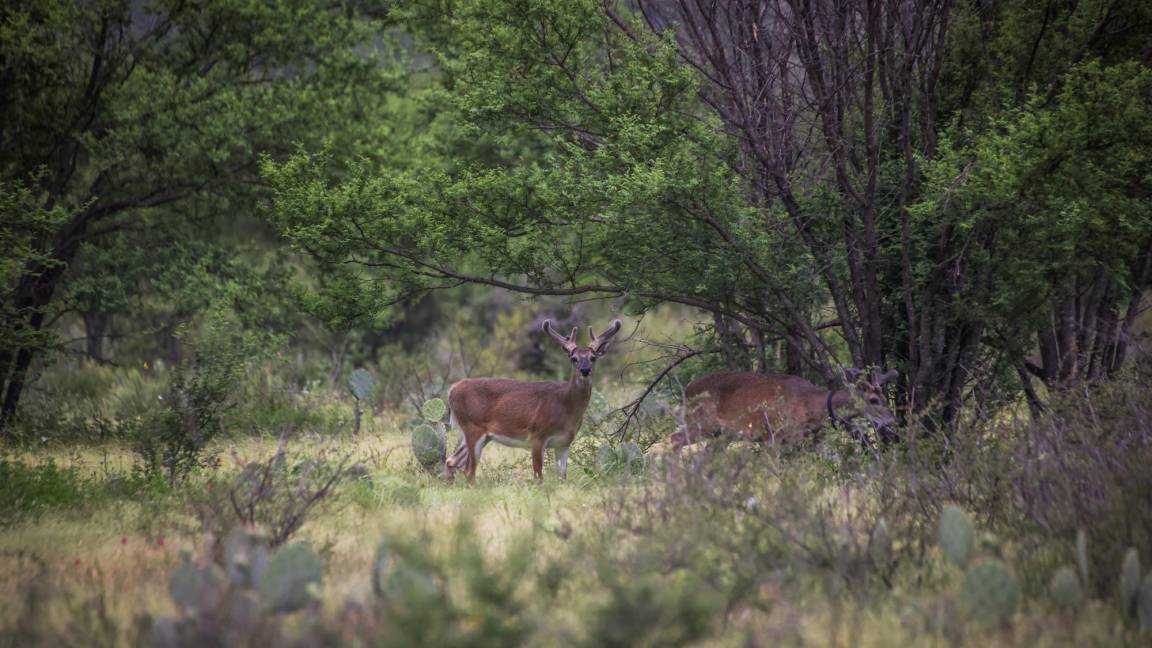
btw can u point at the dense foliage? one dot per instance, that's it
(777, 166)
(247, 246)
(129, 150)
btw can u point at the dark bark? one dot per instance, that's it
(95, 333)
(1088, 337)
(35, 289)
(853, 76)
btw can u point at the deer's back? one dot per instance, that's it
(518, 404)
(753, 404)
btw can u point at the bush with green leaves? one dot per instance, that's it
(623, 460)
(201, 391)
(32, 490)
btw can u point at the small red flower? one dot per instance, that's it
(160, 541)
(124, 540)
(76, 562)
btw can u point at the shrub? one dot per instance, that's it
(32, 490)
(172, 440)
(1085, 466)
(277, 493)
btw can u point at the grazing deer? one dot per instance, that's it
(534, 415)
(778, 407)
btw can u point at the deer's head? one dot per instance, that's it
(583, 358)
(866, 394)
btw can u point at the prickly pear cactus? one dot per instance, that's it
(196, 587)
(380, 566)
(597, 412)
(1144, 604)
(434, 410)
(1129, 583)
(1082, 556)
(1064, 588)
(361, 384)
(633, 458)
(395, 580)
(428, 445)
(293, 574)
(956, 535)
(245, 557)
(989, 594)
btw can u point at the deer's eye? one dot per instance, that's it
(593, 358)
(572, 359)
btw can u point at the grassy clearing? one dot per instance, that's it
(126, 548)
(737, 544)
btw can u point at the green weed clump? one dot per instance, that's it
(34, 490)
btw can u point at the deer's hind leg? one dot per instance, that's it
(701, 421)
(458, 457)
(476, 445)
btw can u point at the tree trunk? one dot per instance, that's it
(31, 299)
(95, 332)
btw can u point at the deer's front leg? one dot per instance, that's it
(538, 460)
(562, 462)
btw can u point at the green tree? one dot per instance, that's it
(785, 167)
(123, 117)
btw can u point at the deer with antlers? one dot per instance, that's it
(526, 414)
(779, 407)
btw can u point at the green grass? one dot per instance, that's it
(126, 546)
(632, 560)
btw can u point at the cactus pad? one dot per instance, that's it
(989, 594)
(380, 567)
(395, 580)
(245, 557)
(1065, 589)
(196, 587)
(428, 446)
(1082, 556)
(955, 535)
(880, 548)
(1144, 604)
(361, 384)
(1129, 583)
(434, 410)
(290, 571)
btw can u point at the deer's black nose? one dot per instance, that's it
(585, 371)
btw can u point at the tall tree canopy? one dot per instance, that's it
(131, 128)
(939, 186)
